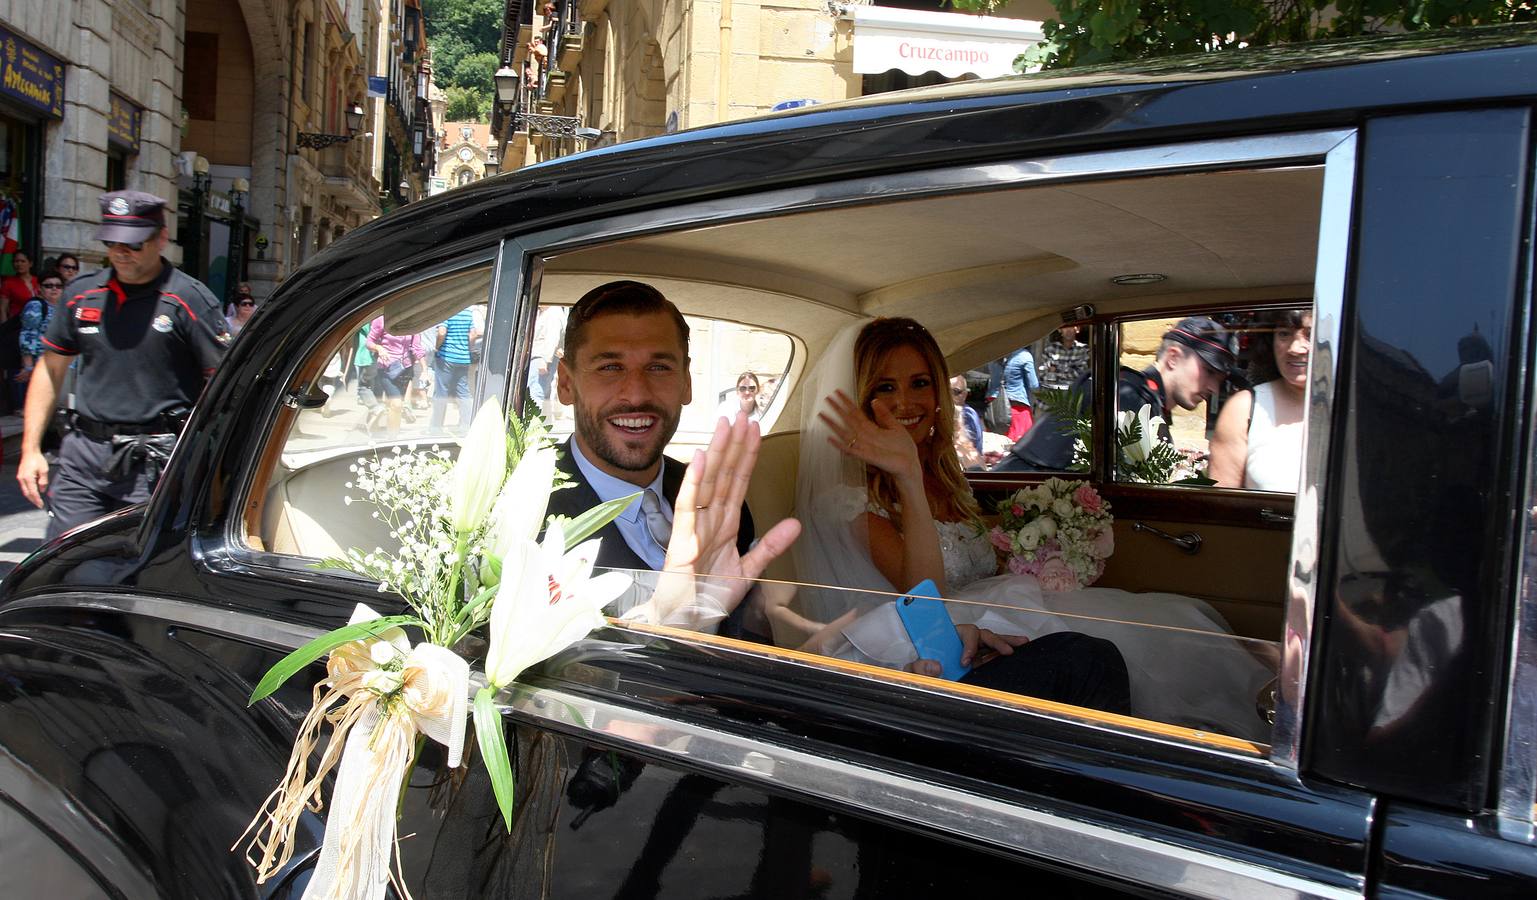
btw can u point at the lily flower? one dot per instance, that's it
(1147, 437)
(519, 510)
(479, 471)
(547, 601)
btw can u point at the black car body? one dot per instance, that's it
(1388, 184)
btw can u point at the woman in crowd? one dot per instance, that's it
(244, 307)
(1258, 444)
(34, 321)
(21, 287)
(886, 505)
(68, 267)
(744, 399)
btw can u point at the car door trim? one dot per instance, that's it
(1037, 832)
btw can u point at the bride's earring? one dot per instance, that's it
(931, 427)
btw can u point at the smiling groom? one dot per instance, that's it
(625, 374)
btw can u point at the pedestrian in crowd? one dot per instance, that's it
(19, 288)
(1063, 359)
(451, 368)
(147, 337)
(968, 431)
(1019, 384)
(549, 334)
(244, 308)
(395, 358)
(35, 316)
(741, 399)
(370, 392)
(68, 267)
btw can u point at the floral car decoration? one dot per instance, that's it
(468, 558)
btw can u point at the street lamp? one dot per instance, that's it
(492, 166)
(506, 84)
(405, 192)
(192, 260)
(235, 271)
(316, 140)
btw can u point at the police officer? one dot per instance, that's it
(1194, 358)
(147, 337)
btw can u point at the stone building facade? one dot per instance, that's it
(272, 126)
(599, 71)
(109, 121)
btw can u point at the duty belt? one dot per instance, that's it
(165, 423)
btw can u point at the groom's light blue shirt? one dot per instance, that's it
(632, 525)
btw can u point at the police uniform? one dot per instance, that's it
(144, 353)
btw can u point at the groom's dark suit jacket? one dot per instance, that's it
(614, 553)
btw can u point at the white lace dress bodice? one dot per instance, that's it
(964, 547)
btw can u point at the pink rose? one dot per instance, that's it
(1089, 499)
(1018, 566)
(999, 539)
(1103, 544)
(1017, 509)
(1056, 575)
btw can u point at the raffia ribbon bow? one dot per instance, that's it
(389, 692)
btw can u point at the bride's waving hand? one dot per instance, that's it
(883, 442)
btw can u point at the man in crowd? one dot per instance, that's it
(625, 374)
(1194, 358)
(147, 337)
(1063, 360)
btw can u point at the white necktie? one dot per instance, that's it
(656, 521)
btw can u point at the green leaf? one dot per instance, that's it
(297, 660)
(493, 750)
(586, 524)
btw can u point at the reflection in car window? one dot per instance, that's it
(1223, 389)
(406, 372)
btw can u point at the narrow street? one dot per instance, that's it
(21, 524)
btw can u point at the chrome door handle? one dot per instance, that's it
(1270, 516)
(1189, 542)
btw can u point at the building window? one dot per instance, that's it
(201, 92)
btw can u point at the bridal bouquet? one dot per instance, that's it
(467, 559)
(1058, 531)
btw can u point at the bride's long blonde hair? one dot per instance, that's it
(876, 341)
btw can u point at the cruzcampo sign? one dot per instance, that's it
(29, 76)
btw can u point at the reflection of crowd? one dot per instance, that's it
(999, 405)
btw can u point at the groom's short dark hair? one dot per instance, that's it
(630, 298)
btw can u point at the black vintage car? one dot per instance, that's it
(1377, 722)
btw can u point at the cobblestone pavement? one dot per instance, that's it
(21, 524)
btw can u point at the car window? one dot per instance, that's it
(405, 372)
(1045, 383)
(1214, 398)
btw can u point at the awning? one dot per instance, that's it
(952, 44)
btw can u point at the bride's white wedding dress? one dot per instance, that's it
(1185, 666)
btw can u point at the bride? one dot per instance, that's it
(884, 501)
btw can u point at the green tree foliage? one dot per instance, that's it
(1085, 32)
(464, 36)
(467, 105)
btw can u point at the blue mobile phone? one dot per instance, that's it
(929, 626)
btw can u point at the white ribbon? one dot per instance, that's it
(433, 699)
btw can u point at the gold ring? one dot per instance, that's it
(697, 508)
(851, 442)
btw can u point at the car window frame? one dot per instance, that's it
(279, 405)
(1334, 149)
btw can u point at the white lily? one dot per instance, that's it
(547, 601)
(520, 509)
(479, 471)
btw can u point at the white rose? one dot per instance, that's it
(1062, 508)
(1048, 528)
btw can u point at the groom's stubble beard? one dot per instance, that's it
(631, 456)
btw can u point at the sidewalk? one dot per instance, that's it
(10, 436)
